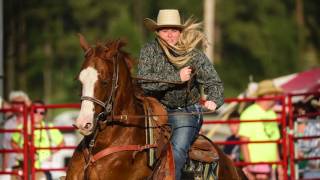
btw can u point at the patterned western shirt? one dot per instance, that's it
(154, 65)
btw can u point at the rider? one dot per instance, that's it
(177, 69)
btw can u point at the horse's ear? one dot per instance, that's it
(83, 42)
(121, 43)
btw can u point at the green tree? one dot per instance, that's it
(258, 38)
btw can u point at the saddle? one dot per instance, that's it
(203, 160)
(158, 132)
(202, 150)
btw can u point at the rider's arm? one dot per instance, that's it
(209, 78)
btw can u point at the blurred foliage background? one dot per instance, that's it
(262, 39)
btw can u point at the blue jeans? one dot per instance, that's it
(185, 128)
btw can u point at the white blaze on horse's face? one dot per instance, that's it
(88, 77)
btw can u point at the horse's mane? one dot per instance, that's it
(111, 47)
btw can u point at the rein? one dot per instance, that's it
(125, 117)
(164, 81)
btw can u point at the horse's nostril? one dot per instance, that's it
(88, 125)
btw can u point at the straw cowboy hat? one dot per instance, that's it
(315, 102)
(166, 18)
(267, 87)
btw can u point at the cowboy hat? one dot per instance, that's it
(166, 18)
(267, 87)
(315, 103)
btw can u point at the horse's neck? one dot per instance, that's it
(125, 103)
(125, 98)
(125, 132)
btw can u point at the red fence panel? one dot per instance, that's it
(293, 137)
(287, 140)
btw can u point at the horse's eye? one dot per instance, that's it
(104, 82)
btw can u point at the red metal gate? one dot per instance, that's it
(287, 140)
(294, 137)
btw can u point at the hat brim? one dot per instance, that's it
(153, 26)
(269, 91)
(315, 103)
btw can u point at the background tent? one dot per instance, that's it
(306, 81)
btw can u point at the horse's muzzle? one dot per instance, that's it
(84, 130)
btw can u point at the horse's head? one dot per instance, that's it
(99, 78)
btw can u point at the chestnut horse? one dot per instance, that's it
(114, 147)
(108, 90)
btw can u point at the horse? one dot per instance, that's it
(112, 120)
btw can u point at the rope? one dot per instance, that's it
(163, 81)
(126, 116)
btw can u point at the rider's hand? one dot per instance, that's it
(185, 73)
(210, 105)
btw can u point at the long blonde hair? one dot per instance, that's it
(190, 38)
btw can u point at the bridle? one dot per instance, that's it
(108, 105)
